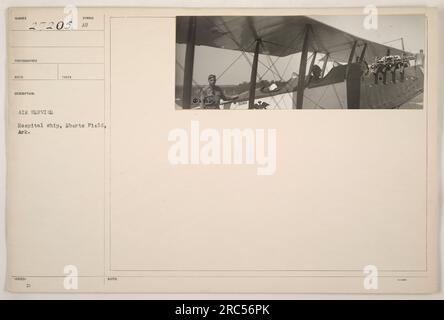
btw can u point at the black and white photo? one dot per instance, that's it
(255, 62)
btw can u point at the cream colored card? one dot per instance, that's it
(129, 171)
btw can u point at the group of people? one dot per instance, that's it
(390, 63)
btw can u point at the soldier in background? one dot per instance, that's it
(420, 57)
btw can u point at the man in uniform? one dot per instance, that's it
(315, 73)
(211, 95)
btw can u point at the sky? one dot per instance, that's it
(216, 61)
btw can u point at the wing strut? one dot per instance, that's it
(362, 57)
(302, 69)
(254, 75)
(350, 58)
(327, 56)
(312, 65)
(189, 64)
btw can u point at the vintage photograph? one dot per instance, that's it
(300, 62)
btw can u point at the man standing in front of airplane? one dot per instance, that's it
(212, 94)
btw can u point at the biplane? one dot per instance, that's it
(365, 74)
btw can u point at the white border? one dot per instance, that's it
(4, 4)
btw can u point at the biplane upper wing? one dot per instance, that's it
(280, 36)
